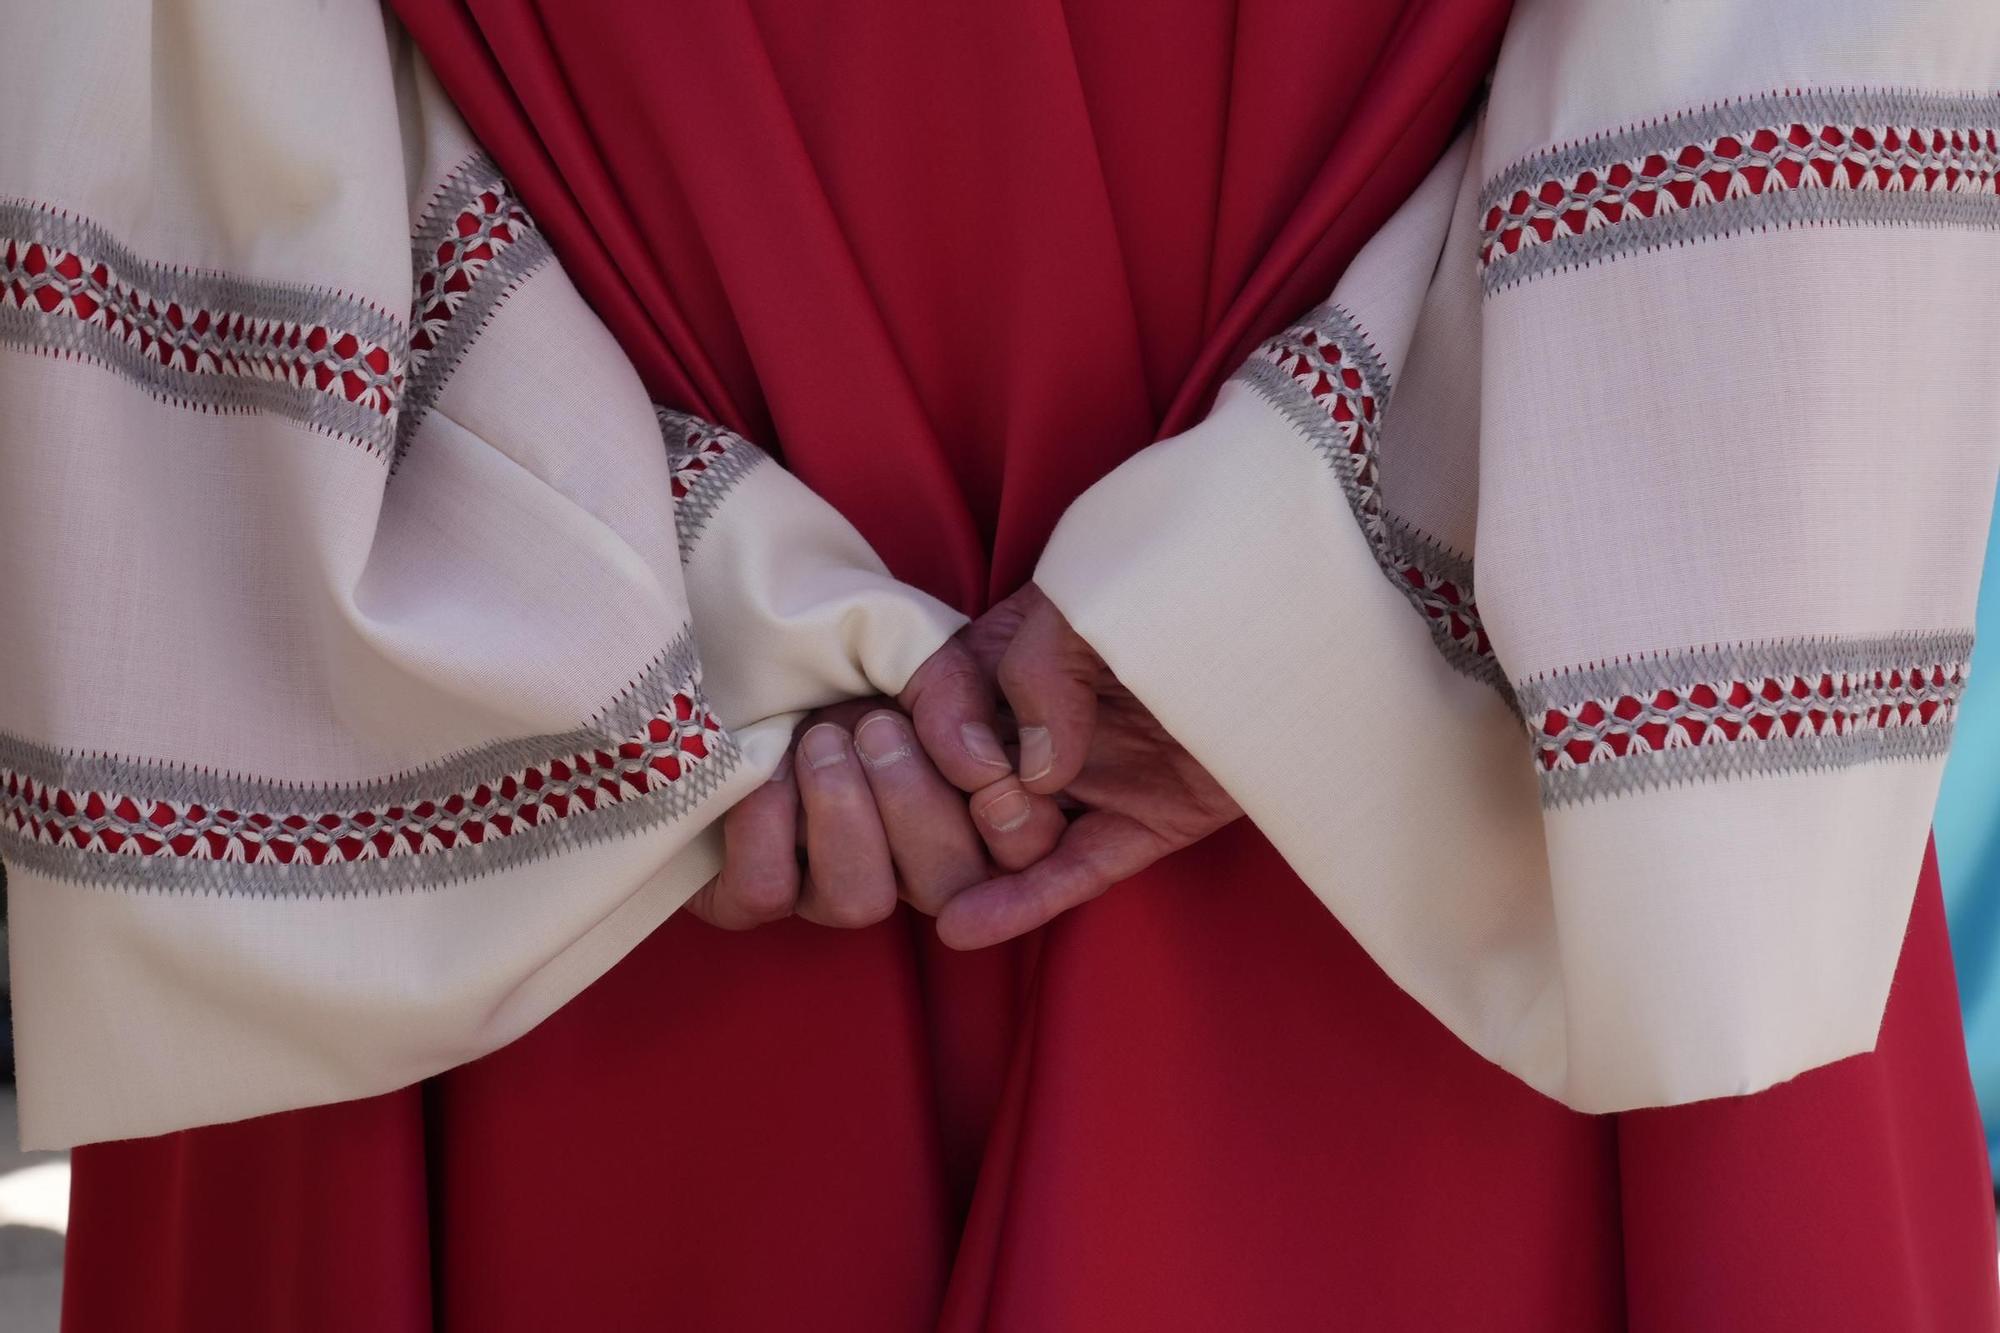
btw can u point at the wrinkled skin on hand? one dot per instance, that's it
(878, 799)
(927, 802)
(1084, 735)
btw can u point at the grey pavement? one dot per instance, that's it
(34, 1209)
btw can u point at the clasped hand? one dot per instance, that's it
(994, 821)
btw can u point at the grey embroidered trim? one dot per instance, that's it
(201, 339)
(1323, 377)
(1831, 157)
(650, 756)
(707, 463)
(474, 246)
(1734, 711)
(217, 343)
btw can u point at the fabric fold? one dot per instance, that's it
(422, 651)
(1600, 688)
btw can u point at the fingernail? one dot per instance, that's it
(824, 746)
(882, 741)
(1006, 812)
(982, 744)
(1038, 756)
(784, 768)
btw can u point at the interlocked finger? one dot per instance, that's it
(924, 817)
(851, 878)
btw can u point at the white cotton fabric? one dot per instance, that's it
(214, 139)
(1777, 435)
(1572, 69)
(202, 597)
(1757, 439)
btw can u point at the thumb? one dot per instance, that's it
(1050, 675)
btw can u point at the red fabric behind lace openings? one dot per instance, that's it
(1029, 237)
(1761, 159)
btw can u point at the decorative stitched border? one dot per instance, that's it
(1675, 717)
(202, 339)
(1325, 379)
(1830, 157)
(708, 461)
(473, 247)
(349, 369)
(218, 343)
(1732, 711)
(648, 757)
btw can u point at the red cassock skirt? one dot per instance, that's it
(957, 262)
(1217, 1114)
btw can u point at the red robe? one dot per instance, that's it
(956, 263)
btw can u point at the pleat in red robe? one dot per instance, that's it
(955, 263)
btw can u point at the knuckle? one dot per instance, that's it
(948, 671)
(707, 906)
(959, 677)
(763, 898)
(928, 893)
(925, 896)
(859, 905)
(953, 666)
(1018, 672)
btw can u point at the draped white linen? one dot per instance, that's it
(1580, 599)
(376, 659)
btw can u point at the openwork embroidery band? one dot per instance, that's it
(211, 341)
(647, 758)
(708, 461)
(1326, 380)
(1733, 711)
(1791, 159)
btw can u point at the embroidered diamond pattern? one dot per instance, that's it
(1331, 377)
(673, 743)
(487, 225)
(210, 341)
(1757, 160)
(58, 284)
(702, 447)
(1828, 703)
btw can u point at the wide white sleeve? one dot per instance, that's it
(1581, 598)
(377, 659)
